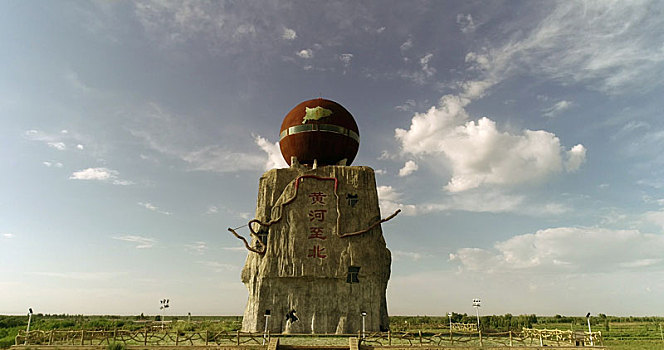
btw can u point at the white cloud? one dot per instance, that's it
(655, 217)
(305, 53)
(244, 29)
(171, 24)
(407, 45)
(478, 153)
(100, 174)
(51, 164)
(197, 247)
(609, 46)
(57, 140)
(566, 250)
(557, 108)
(575, 157)
(60, 146)
(123, 182)
(235, 249)
(79, 146)
(219, 267)
(478, 201)
(274, 157)
(213, 209)
(424, 62)
(385, 155)
(171, 135)
(422, 74)
(406, 106)
(346, 59)
(399, 255)
(83, 276)
(218, 159)
(408, 168)
(141, 242)
(390, 200)
(150, 206)
(466, 23)
(8, 235)
(289, 34)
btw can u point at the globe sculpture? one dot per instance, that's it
(320, 130)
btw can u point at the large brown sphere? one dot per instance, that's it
(319, 129)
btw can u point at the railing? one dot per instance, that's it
(146, 337)
(157, 337)
(525, 337)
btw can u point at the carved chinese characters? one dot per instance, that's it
(320, 226)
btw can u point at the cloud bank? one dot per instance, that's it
(481, 154)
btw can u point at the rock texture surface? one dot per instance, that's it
(310, 264)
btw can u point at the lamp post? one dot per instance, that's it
(164, 305)
(449, 315)
(364, 315)
(476, 305)
(590, 332)
(27, 330)
(267, 317)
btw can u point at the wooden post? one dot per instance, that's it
(145, 341)
(207, 337)
(238, 338)
(420, 331)
(115, 334)
(510, 337)
(480, 332)
(451, 340)
(177, 338)
(389, 336)
(541, 340)
(82, 336)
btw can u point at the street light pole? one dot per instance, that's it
(590, 332)
(164, 305)
(476, 305)
(449, 314)
(27, 331)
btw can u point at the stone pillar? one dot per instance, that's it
(311, 264)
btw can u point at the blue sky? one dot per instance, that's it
(522, 140)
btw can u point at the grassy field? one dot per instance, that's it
(617, 332)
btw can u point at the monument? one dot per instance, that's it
(317, 260)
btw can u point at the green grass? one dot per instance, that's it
(634, 344)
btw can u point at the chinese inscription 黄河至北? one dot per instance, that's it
(317, 216)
